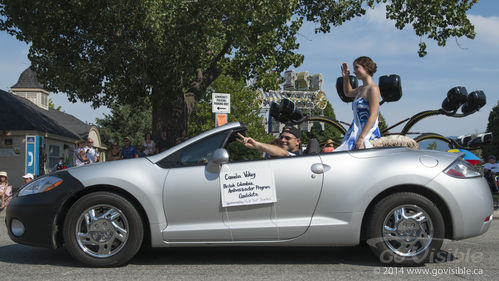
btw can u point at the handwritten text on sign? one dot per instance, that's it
(247, 187)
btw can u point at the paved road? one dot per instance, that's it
(471, 259)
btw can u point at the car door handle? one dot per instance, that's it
(319, 168)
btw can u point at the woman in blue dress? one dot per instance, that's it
(365, 106)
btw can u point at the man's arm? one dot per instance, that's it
(84, 156)
(271, 149)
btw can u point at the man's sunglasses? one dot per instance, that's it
(286, 137)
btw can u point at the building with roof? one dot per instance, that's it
(33, 136)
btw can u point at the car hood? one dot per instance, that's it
(103, 173)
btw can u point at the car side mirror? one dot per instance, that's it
(217, 159)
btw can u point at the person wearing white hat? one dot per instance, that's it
(28, 178)
(5, 189)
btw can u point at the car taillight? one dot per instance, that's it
(462, 169)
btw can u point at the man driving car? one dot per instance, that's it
(289, 143)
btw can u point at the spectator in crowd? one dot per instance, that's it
(491, 170)
(115, 152)
(182, 138)
(129, 151)
(162, 143)
(329, 146)
(141, 152)
(92, 155)
(5, 190)
(148, 145)
(79, 155)
(492, 165)
(289, 143)
(28, 178)
(60, 165)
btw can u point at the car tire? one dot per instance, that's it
(405, 229)
(103, 229)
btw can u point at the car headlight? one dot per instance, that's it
(462, 169)
(40, 185)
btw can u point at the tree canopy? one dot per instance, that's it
(126, 121)
(170, 51)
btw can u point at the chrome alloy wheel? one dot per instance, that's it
(102, 231)
(407, 230)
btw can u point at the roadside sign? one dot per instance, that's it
(32, 153)
(220, 119)
(220, 103)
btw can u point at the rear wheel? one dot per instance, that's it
(405, 229)
(103, 229)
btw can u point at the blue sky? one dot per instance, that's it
(425, 81)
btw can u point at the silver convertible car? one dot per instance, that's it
(401, 202)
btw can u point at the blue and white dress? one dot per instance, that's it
(360, 108)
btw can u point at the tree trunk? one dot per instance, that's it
(169, 113)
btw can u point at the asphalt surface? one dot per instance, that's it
(470, 259)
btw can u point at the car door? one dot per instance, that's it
(297, 189)
(250, 222)
(192, 195)
(299, 182)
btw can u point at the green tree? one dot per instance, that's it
(244, 109)
(126, 121)
(329, 132)
(52, 105)
(170, 51)
(432, 146)
(382, 123)
(492, 127)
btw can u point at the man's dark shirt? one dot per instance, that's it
(162, 145)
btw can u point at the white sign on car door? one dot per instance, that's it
(247, 187)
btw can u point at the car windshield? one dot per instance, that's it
(201, 151)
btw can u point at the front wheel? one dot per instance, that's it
(103, 229)
(405, 229)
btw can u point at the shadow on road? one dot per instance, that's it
(20, 254)
(360, 255)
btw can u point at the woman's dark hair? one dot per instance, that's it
(145, 136)
(368, 64)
